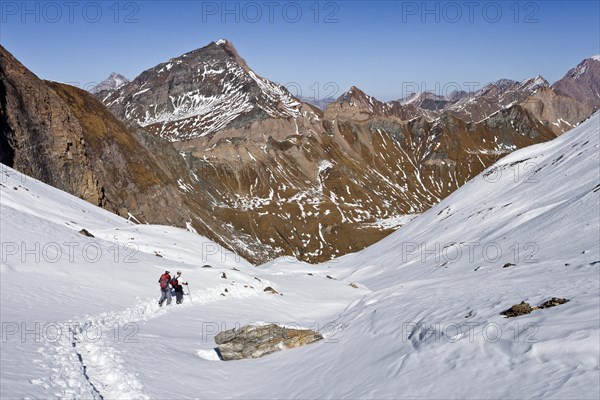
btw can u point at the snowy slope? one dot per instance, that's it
(54, 278)
(542, 201)
(424, 322)
(431, 326)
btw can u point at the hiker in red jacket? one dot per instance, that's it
(165, 290)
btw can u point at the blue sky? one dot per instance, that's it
(386, 48)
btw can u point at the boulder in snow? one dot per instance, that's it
(269, 289)
(85, 232)
(253, 341)
(553, 302)
(518, 309)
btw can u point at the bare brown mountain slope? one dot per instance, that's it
(303, 182)
(582, 82)
(557, 112)
(242, 161)
(66, 138)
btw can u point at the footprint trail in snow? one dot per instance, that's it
(83, 365)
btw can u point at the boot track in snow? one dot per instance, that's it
(89, 368)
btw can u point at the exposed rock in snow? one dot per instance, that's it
(252, 341)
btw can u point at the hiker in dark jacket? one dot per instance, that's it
(165, 290)
(177, 284)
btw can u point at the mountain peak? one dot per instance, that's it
(356, 104)
(533, 84)
(355, 91)
(201, 92)
(225, 45)
(114, 81)
(356, 97)
(114, 75)
(228, 48)
(356, 94)
(582, 82)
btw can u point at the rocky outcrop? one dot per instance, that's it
(553, 302)
(517, 310)
(524, 308)
(252, 341)
(66, 138)
(557, 112)
(40, 135)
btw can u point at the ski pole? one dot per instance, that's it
(189, 292)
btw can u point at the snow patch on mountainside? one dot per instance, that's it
(218, 89)
(394, 222)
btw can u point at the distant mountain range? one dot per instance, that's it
(202, 141)
(320, 103)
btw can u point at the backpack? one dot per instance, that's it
(174, 283)
(164, 281)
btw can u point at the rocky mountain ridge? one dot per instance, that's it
(245, 163)
(65, 137)
(200, 93)
(582, 83)
(317, 184)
